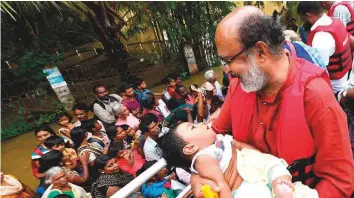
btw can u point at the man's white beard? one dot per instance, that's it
(255, 79)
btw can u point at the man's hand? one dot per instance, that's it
(197, 183)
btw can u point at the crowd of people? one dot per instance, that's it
(280, 126)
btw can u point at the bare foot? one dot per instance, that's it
(283, 189)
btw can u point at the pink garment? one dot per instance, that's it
(190, 100)
(156, 113)
(131, 120)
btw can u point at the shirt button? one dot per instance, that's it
(264, 103)
(261, 123)
(258, 142)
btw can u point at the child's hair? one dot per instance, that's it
(138, 82)
(49, 160)
(44, 127)
(149, 102)
(53, 141)
(124, 127)
(145, 121)
(172, 146)
(101, 161)
(146, 166)
(78, 135)
(112, 132)
(60, 115)
(114, 148)
(168, 80)
(81, 107)
(62, 196)
(89, 124)
(124, 86)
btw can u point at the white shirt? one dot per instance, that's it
(151, 150)
(326, 45)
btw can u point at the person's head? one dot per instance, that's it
(63, 119)
(291, 36)
(116, 133)
(326, 4)
(100, 91)
(170, 82)
(250, 43)
(129, 131)
(62, 196)
(215, 104)
(210, 76)
(116, 149)
(140, 83)
(127, 90)
(92, 126)
(149, 125)
(56, 176)
(78, 136)
(173, 103)
(121, 111)
(177, 78)
(50, 159)
(194, 93)
(55, 143)
(158, 177)
(43, 132)
(149, 103)
(181, 143)
(81, 111)
(210, 90)
(106, 164)
(182, 91)
(310, 12)
(205, 110)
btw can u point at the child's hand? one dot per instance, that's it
(84, 158)
(164, 195)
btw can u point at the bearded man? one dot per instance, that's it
(281, 105)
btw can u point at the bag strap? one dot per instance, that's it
(300, 166)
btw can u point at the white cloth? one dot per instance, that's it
(218, 90)
(13, 187)
(151, 150)
(326, 45)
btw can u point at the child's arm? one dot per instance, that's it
(65, 132)
(208, 167)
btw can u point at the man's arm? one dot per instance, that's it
(328, 125)
(103, 114)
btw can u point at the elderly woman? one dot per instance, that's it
(125, 117)
(59, 184)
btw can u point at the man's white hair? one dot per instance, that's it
(51, 173)
(209, 74)
(291, 36)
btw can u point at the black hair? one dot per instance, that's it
(81, 106)
(172, 103)
(146, 166)
(149, 102)
(124, 127)
(145, 121)
(78, 135)
(112, 132)
(97, 86)
(138, 82)
(101, 161)
(49, 160)
(313, 7)
(259, 27)
(114, 148)
(60, 115)
(53, 141)
(178, 87)
(124, 86)
(216, 101)
(172, 146)
(63, 196)
(168, 80)
(89, 124)
(44, 127)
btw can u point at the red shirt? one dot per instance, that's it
(126, 167)
(328, 125)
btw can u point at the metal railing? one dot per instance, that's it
(144, 177)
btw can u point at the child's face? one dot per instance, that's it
(63, 121)
(172, 83)
(160, 175)
(98, 127)
(130, 131)
(59, 147)
(199, 136)
(142, 85)
(42, 136)
(80, 114)
(121, 135)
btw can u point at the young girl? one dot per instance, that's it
(170, 91)
(64, 120)
(97, 136)
(42, 133)
(128, 159)
(117, 134)
(158, 185)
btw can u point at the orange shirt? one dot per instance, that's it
(327, 122)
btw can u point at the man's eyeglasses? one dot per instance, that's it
(225, 63)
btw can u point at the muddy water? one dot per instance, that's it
(15, 153)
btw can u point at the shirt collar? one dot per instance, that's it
(151, 141)
(322, 20)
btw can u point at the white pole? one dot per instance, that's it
(8, 64)
(77, 52)
(188, 188)
(57, 53)
(140, 180)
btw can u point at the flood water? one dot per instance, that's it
(16, 152)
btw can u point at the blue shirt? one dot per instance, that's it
(140, 96)
(153, 190)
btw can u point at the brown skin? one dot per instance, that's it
(81, 114)
(41, 137)
(60, 181)
(154, 131)
(101, 92)
(228, 44)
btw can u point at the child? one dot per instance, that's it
(129, 99)
(141, 92)
(128, 159)
(170, 91)
(69, 155)
(64, 120)
(259, 175)
(117, 134)
(97, 136)
(158, 185)
(149, 107)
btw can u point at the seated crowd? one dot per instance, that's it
(98, 155)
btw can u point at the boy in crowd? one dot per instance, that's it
(129, 99)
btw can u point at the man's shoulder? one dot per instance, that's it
(116, 96)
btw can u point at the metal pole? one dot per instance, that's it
(188, 188)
